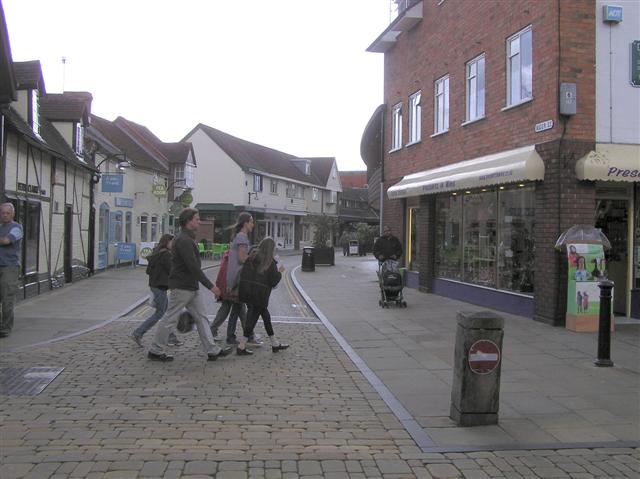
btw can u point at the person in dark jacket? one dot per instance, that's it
(259, 275)
(186, 274)
(158, 268)
(387, 246)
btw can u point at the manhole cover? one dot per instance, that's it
(26, 381)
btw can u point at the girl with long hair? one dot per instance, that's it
(158, 268)
(258, 277)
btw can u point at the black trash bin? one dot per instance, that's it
(308, 260)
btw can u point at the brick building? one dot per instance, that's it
(481, 169)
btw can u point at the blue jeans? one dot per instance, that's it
(237, 310)
(161, 302)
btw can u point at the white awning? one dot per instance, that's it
(610, 163)
(521, 164)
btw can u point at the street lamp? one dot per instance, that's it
(255, 196)
(122, 165)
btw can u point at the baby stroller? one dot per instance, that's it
(390, 280)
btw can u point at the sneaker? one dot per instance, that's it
(137, 338)
(279, 347)
(175, 342)
(215, 335)
(244, 352)
(159, 357)
(255, 341)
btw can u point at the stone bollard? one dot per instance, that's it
(475, 393)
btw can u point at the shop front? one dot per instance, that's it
(615, 173)
(478, 221)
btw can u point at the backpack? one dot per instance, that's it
(221, 279)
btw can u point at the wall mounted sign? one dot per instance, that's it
(545, 125)
(35, 189)
(611, 14)
(124, 202)
(112, 183)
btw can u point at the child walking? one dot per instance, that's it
(259, 275)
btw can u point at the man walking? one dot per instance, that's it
(10, 250)
(186, 273)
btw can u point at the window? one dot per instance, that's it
(79, 138)
(396, 127)
(144, 233)
(30, 219)
(295, 191)
(441, 117)
(413, 248)
(117, 227)
(257, 183)
(475, 88)
(35, 111)
(127, 227)
(154, 228)
(274, 187)
(315, 194)
(486, 238)
(519, 67)
(415, 115)
(183, 176)
(333, 197)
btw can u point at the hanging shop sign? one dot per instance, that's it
(186, 198)
(159, 190)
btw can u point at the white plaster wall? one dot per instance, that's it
(617, 101)
(21, 105)
(218, 179)
(65, 128)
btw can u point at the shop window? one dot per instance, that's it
(449, 237)
(482, 243)
(117, 226)
(414, 239)
(127, 227)
(154, 228)
(479, 227)
(28, 214)
(144, 232)
(515, 239)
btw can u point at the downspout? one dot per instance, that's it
(381, 223)
(92, 220)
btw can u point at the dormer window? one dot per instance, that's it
(307, 168)
(35, 111)
(79, 140)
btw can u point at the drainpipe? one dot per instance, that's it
(380, 225)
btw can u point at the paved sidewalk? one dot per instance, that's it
(551, 393)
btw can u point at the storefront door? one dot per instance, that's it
(612, 217)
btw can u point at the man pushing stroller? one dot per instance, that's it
(388, 251)
(387, 246)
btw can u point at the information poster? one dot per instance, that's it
(586, 266)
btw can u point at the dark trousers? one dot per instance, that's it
(253, 313)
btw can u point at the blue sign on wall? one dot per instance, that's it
(126, 252)
(112, 183)
(124, 202)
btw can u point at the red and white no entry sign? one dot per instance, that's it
(484, 356)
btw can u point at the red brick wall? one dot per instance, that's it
(453, 33)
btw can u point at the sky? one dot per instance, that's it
(293, 75)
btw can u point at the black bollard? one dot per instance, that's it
(604, 325)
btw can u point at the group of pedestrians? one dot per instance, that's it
(243, 287)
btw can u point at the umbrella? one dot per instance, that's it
(583, 234)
